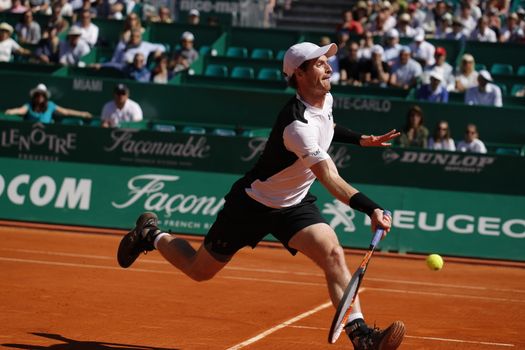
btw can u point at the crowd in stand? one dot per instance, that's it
(420, 64)
(136, 58)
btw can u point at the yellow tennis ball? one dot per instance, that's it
(434, 262)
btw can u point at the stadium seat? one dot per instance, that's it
(503, 88)
(72, 121)
(500, 68)
(194, 130)
(508, 151)
(269, 74)
(223, 132)
(280, 55)
(266, 54)
(516, 88)
(257, 133)
(216, 70)
(95, 122)
(204, 50)
(11, 118)
(521, 71)
(480, 66)
(143, 124)
(235, 51)
(243, 73)
(163, 127)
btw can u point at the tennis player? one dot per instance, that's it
(274, 197)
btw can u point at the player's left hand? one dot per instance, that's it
(378, 219)
(379, 141)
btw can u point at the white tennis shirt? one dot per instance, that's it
(299, 139)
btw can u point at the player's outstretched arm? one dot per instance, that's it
(345, 135)
(326, 172)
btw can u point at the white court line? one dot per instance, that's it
(280, 326)
(444, 294)
(424, 338)
(285, 272)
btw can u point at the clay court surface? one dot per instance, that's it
(64, 290)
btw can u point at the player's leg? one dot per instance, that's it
(319, 242)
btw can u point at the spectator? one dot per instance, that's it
(458, 31)
(131, 23)
(434, 16)
(361, 12)
(471, 143)
(67, 8)
(417, 14)
(342, 44)
(120, 109)
(435, 91)
(383, 21)
(444, 27)
(85, 5)
(483, 32)
(28, 31)
(187, 50)
(18, 7)
(164, 15)
(5, 5)
(161, 73)
(89, 30)
(404, 28)
(512, 33)
(422, 50)
(194, 17)
(441, 140)
(41, 109)
(137, 70)
(8, 46)
(465, 16)
(485, 93)
(414, 134)
(48, 50)
(124, 53)
(57, 20)
(375, 71)
(349, 24)
(365, 49)
(467, 76)
(446, 69)
(406, 71)
(350, 66)
(391, 46)
(73, 48)
(494, 23)
(40, 6)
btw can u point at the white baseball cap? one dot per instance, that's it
(194, 12)
(40, 88)
(392, 33)
(299, 53)
(485, 74)
(377, 49)
(188, 36)
(420, 35)
(436, 74)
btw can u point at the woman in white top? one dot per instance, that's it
(441, 139)
(467, 76)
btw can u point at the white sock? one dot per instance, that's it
(354, 316)
(159, 236)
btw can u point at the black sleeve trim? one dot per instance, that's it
(345, 135)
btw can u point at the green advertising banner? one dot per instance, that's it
(235, 155)
(445, 222)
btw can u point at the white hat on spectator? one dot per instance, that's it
(386, 5)
(405, 49)
(194, 12)
(7, 27)
(447, 17)
(485, 75)
(436, 74)
(392, 33)
(187, 36)
(420, 35)
(377, 49)
(74, 30)
(405, 17)
(299, 53)
(40, 88)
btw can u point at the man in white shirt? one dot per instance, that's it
(404, 28)
(406, 71)
(73, 48)
(121, 109)
(391, 46)
(124, 53)
(89, 30)
(483, 32)
(422, 50)
(485, 93)
(471, 143)
(274, 197)
(7, 45)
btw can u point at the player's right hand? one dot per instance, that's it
(378, 219)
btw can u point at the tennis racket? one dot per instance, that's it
(347, 301)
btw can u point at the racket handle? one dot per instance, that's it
(379, 232)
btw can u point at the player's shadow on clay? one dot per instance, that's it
(70, 344)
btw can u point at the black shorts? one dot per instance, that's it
(245, 222)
